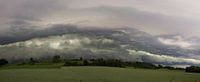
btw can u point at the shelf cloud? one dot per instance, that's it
(155, 17)
(28, 26)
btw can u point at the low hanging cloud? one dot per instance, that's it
(68, 46)
(163, 59)
(75, 46)
(177, 41)
(22, 31)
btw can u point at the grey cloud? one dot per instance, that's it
(24, 13)
(103, 14)
(66, 40)
(180, 41)
(162, 59)
(22, 31)
(88, 47)
(66, 45)
(26, 9)
(147, 21)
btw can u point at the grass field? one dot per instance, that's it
(96, 74)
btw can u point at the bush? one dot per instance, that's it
(32, 61)
(141, 65)
(56, 59)
(193, 69)
(73, 63)
(109, 62)
(3, 62)
(85, 62)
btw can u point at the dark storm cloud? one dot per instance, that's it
(20, 33)
(164, 17)
(24, 20)
(117, 16)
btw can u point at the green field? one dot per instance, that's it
(96, 74)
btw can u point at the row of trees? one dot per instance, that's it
(94, 62)
(32, 61)
(99, 62)
(193, 69)
(103, 62)
(115, 63)
(55, 59)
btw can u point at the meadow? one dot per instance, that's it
(95, 74)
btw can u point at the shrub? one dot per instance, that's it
(3, 62)
(32, 61)
(56, 59)
(193, 69)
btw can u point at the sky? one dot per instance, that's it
(173, 22)
(156, 17)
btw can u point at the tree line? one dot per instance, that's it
(115, 63)
(193, 69)
(103, 62)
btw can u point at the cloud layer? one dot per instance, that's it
(155, 17)
(29, 27)
(170, 60)
(76, 46)
(68, 46)
(177, 41)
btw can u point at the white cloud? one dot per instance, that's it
(63, 45)
(177, 41)
(162, 58)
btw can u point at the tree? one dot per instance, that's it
(193, 69)
(81, 59)
(3, 62)
(85, 62)
(32, 61)
(160, 66)
(56, 59)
